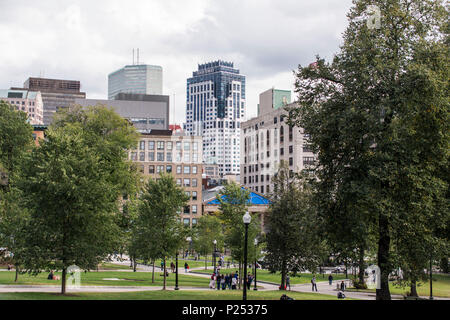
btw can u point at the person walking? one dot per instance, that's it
(314, 284)
(330, 279)
(222, 282)
(233, 282)
(249, 280)
(342, 286)
(229, 281)
(212, 282)
(172, 267)
(186, 267)
(288, 282)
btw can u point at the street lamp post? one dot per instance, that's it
(214, 254)
(247, 219)
(256, 244)
(176, 270)
(431, 277)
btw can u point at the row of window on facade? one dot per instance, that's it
(30, 103)
(169, 169)
(167, 145)
(161, 156)
(193, 209)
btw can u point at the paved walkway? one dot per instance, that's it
(322, 286)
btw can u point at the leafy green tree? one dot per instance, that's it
(377, 117)
(159, 231)
(15, 142)
(293, 242)
(71, 185)
(209, 228)
(233, 202)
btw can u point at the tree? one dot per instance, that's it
(159, 230)
(377, 117)
(233, 201)
(209, 228)
(293, 242)
(71, 184)
(15, 142)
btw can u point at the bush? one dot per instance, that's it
(359, 284)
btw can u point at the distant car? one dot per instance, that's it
(337, 270)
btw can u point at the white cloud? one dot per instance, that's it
(86, 40)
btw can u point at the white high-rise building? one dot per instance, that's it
(215, 108)
(143, 78)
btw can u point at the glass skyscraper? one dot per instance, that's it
(215, 107)
(144, 79)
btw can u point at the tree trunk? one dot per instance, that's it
(17, 273)
(134, 264)
(153, 272)
(240, 274)
(383, 258)
(361, 266)
(63, 281)
(283, 274)
(164, 284)
(444, 264)
(413, 289)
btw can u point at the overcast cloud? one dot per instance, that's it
(87, 40)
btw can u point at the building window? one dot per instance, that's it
(187, 210)
(186, 221)
(186, 157)
(178, 145)
(134, 156)
(291, 149)
(194, 222)
(178, 159)
(151, 156)
(194, 182)
(160, 145)
(262, 189)
(195, 157)
(187, 182)
(194, 195)
(194, 146)
(160, 156)
(194, 169)
(169, 157)
(141, 156)
(194, 209)
(178, 169)
(179, 182)
(151, 145)
(159, 169)
(291, 161)
(187, 170)
(168, 168)
(151, 169)
(142, 145)
(186, 146)
(169, 145)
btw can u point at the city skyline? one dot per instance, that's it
(91, 40)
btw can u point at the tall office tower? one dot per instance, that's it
(143, 78)
(55, 93)
(215, 107)
(267, 140)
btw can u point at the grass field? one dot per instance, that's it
(441, 287)
(97, 279)
(166, 295)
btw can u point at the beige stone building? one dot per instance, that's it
(266, 141)
(160, 151)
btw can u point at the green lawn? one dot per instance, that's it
(97, 278)
(441, 287)
(166, 295)
(113, 266)
(265, 275)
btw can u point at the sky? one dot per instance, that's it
(86, 40)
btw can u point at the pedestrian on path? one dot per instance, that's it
(186, 267)
(233, 283)
(172, 267)
(342, 286)
(212, 282)
(288, 282)
(330, 279)
(314, 284)
(249, 280)
(218, 281)
(222, 282)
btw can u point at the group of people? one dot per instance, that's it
(173, 267)
(223, 281)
